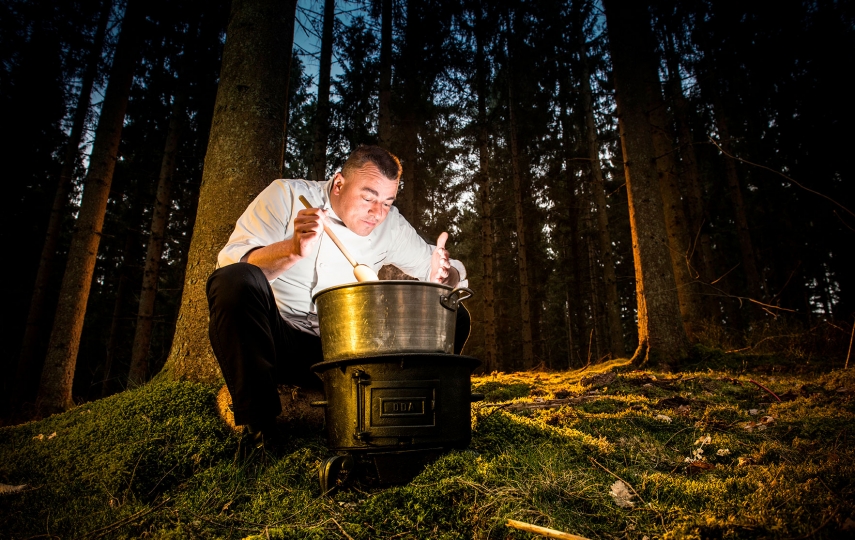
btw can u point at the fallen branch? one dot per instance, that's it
(773, 394)
(850, 347)
(542, 531)
(550, 403)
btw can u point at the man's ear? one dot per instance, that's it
(338, 181)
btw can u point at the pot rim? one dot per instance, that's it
(386, 358)
(408, 282)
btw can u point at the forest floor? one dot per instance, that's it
(608, 452)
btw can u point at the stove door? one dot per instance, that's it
(399, 410)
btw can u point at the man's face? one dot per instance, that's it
(363, 200)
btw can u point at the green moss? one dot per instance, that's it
(158, 462)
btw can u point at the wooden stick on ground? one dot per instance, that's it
(542, 531)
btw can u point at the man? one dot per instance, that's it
(263, 324)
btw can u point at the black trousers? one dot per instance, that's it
(257, 350)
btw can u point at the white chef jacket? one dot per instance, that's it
(270, 218)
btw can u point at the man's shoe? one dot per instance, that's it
(256, 433)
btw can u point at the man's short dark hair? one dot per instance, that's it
(386, 162)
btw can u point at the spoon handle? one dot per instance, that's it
(332, 236)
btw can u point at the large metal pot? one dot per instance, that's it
(387, 317)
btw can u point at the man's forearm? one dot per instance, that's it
(273, 259)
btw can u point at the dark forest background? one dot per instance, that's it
(504, 114)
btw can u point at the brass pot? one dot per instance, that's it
(387, 317)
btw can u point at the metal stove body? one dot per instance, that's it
(393, 413)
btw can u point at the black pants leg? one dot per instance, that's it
(256, 350)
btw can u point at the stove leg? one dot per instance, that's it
(335, 472)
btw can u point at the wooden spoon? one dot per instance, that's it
(360, 271)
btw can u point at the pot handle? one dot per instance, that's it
(451, 300)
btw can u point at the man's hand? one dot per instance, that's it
(308, 226)
(441, 270)
(280, 256)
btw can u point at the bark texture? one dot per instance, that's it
(702, 260)
(660, 326)
(322, 115)
(244, 156)
(28, 360)
(679, 240)
(139, 371)
(58, 373)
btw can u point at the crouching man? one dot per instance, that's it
(263, 324)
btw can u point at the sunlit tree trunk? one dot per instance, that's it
(322, 115)
(598, 187)
(139, 370)
(384, 119)
(491, 360)
(244, 156)
(660, 325)
(58, 373)
(31, 347)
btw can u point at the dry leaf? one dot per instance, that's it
(696, 467)
(722, 452)
(663, 418)
(621, 494)
(39, 437)
(706, 439)
(741, 462)
(753, 412)
(52, 435)
(6, 489)
(767, 420)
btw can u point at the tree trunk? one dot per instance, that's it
(698, 214)
(491, 360)
(28, 365)
(58, 373)
(522, 254)
(598, 192)
(384, 119)
(139, 371)
(660, 326)
(679, 240)
(244, 156)
(319, 153)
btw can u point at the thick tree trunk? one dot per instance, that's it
(679, 240)
(28, 360)
(139, 371)
(660, 326)
(244, 156)
(598, 192)
(491, 356)
(522, 253)
(322, 115)
(698, 214)
(384, 119)
(58, 373)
